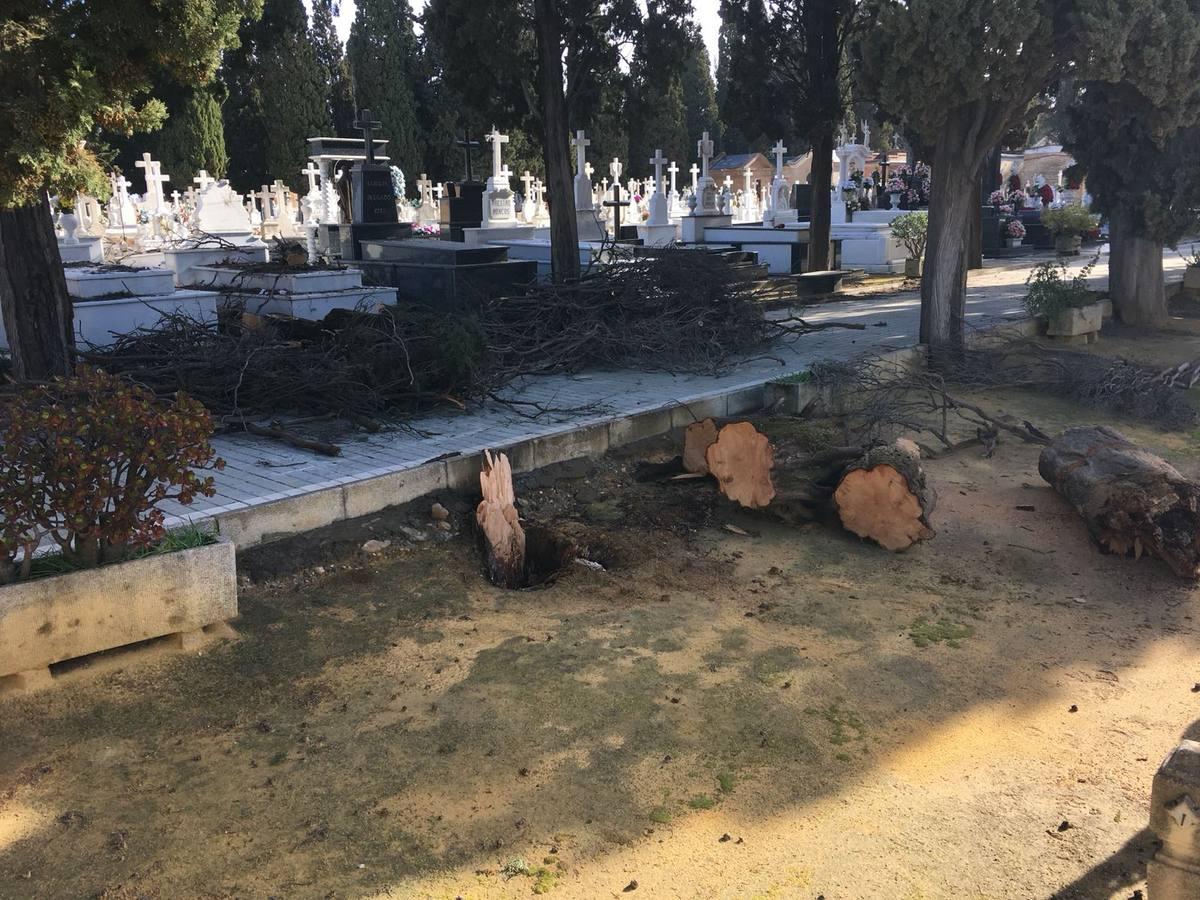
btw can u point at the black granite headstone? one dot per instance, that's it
(802, 201)
(371, 195)
(462, 207)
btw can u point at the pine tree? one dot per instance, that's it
(332, 62)
(700, 93)
(277, 97)
(743, 62)
(657, 115)
(70, 70)
(382, 53)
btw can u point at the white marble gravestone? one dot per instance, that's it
(499, 207)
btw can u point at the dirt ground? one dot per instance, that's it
(789, 713)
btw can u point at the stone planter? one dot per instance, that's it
(1068, 244)
(1079, 324)
(47, 620)
(1012, 242)
(914, 268)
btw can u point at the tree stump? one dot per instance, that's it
(741, 459)
(883, 496)
(697, 438)
(499, 525)
(1132, 501)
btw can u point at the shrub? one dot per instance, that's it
(1050, 292)
(912, 230)
(86, 460)
(1068, 220)
(1014, 229)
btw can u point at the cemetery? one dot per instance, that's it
(670, 448)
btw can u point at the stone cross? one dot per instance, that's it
(367, 125)
(616, 204)
(695, 170)
(747, 174)
(673, 170)
(438, 190)
(614, 169)
(497, 140)
(175, 195)
(604, 185)
(311, 172)
(467, 146)
(580, 143)
(728, 182)
(704, 148)
(203, 179)
(190, 196)
(264, 198)
(154, 181)
(588, 170)
(866, 129)
(779, 150)
(527, 180)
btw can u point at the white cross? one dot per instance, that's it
(673, 170)
(588, 170)
(658, 161)
(203, 179)
(704, 147)
(311, 172)
(728, 182)
(437, 191)
(695, 170)
(190, 196)
(505, 173)
(747, 174)
(423, 186)
(604, 185)
(121, 184)
(264, 196)
(154, 180)
(498, 140)
(779, 150)
(175, 195)
(580, 143)
(527, 180)
(614, 169)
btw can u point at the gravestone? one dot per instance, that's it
(372, 198)
(462, 207)
(802, 201)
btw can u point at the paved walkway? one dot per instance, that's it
(260, 471)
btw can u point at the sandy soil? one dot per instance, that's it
(788, 714)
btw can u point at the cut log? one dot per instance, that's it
(741, 459)
(1132, 501)
(697, 438)
(883, 496)
(499, 525)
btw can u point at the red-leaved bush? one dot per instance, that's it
(85, 460)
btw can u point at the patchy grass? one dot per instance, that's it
(924, 632)
(660, 815)
(725, 781)
(844, 725)
(702, 801)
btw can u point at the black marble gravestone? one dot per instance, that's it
(802, 201)
(372, 199)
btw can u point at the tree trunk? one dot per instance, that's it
(883, 496)
(33, 294)
(1135, 275)
(564, 229)
(1131, 500)
(822, 201)
(944, 285)
(500, 527)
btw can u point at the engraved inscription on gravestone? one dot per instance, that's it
(373, 196)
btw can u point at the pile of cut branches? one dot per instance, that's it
(679, 311)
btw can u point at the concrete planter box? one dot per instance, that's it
(1068, 244)
(48, 620)
(314, 307)
(914, 268)
(182, 260)
(96, 321)
(1078, 324)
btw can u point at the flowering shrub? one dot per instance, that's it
(85, 461)
(911, 229)
(997, 198)
(915, 182)
(1068, 220)
(895, 185)
(1015, 229)
(427, 230)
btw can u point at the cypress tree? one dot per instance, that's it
(700, 93)
(382, 52)
(277, 97)
(658, 118)
(194, 135)
(331, 60)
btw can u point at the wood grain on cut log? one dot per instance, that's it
(697, 438)
(503, 537)
(883, 496)
(741, 459)
(1132, 501)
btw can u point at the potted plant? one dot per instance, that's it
(1014, 233)
(84, 463)
(895, 187)
(912, 230)
(1068, 224)
(1065, 307)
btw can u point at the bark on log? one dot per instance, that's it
(741, 459)
(503, 537)
(1132, 501)
(883, 496)
(697, 438)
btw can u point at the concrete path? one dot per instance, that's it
(260, 472)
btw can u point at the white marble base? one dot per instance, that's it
(89, 249)
(878, 216)
(97, 321)
(658, 235)
(486, 235)
(691, 228)
(590, 252)
(301, 282)
(869, 246)
(313, 306)
(86, 282)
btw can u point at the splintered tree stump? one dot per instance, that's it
(883, 496)
(1132, 501)
(741, 459)
(697, 438)
(503, 537)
